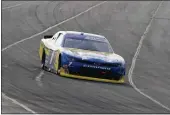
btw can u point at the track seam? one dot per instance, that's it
(41, 73)
(135, 57)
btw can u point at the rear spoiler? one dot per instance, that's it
(48, 36)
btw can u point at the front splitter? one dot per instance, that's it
(62, 73)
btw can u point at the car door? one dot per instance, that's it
(56, 41)
(59, 40)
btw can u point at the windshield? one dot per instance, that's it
(87, 44)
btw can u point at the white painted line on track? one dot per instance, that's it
(38, 78)
(9, 46)
(14, 6)
(135, 57)
(41, 73)
(17, 103)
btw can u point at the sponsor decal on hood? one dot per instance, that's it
(93, 55)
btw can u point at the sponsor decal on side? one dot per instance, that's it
(96, 67)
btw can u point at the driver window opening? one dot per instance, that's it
(58, 35)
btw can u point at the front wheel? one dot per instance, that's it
(43, 66)
(59, 65)
(43, 60)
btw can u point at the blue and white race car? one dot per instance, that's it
(81, 55)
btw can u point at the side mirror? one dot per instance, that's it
(48, 36)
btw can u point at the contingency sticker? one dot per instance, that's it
(94, 38)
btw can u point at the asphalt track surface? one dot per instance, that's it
(123, 23)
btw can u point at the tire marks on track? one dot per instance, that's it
(41, 73)
(11, 45)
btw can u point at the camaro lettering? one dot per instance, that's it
(96, 67)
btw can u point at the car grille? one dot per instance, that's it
(96, 73)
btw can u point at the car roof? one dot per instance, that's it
(77, 32)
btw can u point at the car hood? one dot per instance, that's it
(93, 55)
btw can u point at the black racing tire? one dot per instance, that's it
(43, 66)
(59, 65)
(43, 60)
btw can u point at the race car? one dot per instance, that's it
(81, 55)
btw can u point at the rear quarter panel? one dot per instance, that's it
(41, 49)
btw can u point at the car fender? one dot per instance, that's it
(41, 50)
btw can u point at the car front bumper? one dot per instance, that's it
(64, 73)
(84, 70)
